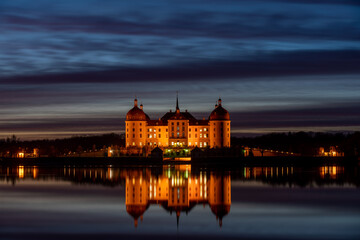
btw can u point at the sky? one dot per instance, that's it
(74, 67)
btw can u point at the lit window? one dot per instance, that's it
(154, 130)
(201, 135)
(204, 144)
(150, 129)
(189, 143)
(205, 129)
(172, 143)
(154, 135)
(195, 143)
(150, 136)
(133, 143)
(200, 129)
(140, 143)
(200, 144)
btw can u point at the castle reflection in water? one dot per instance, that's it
(178, 188)
(177, 191)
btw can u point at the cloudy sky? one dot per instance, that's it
(73, 67)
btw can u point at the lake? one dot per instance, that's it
(180, 201)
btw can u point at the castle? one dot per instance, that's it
(177, 129)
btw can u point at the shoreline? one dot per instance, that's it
(209, 161)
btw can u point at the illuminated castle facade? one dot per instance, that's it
(177, 129)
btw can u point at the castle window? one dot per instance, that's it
(200, 144)
(159, 129)
(140, 124)
(140, 145)
(183, 123)
(200, 129)
(150, 135)
(177, 134)
(127, 129)
(172, 134)
(140, 135)
(205, 129)
(201, 135)
(177, 128)
(195, 135)
(190, 145)
(189, 129)
(177, 123)
(133, 143)
(133, 135)
(204, 135)
(127, 124)
(154, 130)
(228, 129)
(166, 130)
(172, 143)
(159, 135)
(204, 144)
(195, 143)
(183, 128)
(133, 129)
(154, 135)
(228, 124)
(172, 123)
(195, 129)
(183, 134)
(189, 135)
(150, 129)
(172, 128)
(127, 135)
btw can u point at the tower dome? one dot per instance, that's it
(136, 114)
(219, 113)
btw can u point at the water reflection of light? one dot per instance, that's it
(330, 171)
(35, 172)
(21, 172)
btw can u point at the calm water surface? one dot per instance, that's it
(179, 201)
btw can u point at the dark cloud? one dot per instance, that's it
(269, 65)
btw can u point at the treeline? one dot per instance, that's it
(304, 143)
(58, 147)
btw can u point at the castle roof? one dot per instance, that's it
(219, 113)
(136, 114)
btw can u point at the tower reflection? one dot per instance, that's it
(177, 190)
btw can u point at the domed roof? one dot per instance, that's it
(219, 113)
(136, 114)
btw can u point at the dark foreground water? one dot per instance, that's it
(179, 202)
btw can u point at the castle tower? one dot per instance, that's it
(219, 125)
(135, 126)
